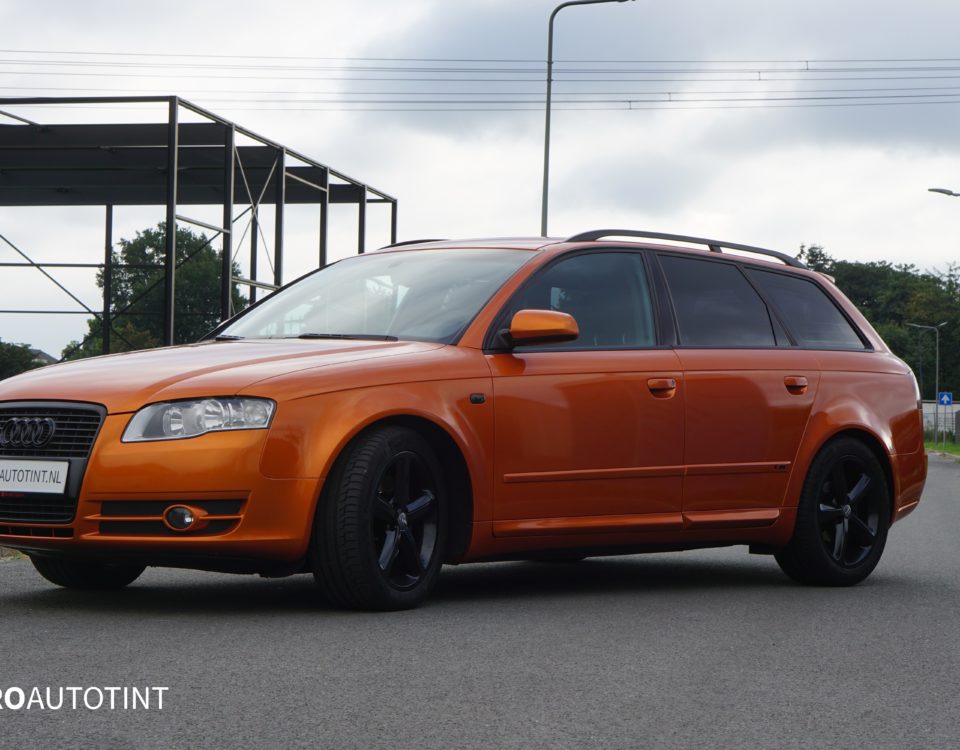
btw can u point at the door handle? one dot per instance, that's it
(796, 384)
(662, 387)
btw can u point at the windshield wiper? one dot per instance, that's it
(227, 337)
(361, 336)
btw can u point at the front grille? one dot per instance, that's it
(38, 508)
(77, 428)
(159, 528)
(36, 531)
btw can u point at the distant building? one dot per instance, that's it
(41, 358)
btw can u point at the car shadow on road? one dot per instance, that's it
(162, 592)
(184, 593)
(608, 576)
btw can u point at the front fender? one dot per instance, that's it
(308, 434)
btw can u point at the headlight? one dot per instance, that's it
(185, 419)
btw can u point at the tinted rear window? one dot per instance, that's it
(812, 316)
(715, 305)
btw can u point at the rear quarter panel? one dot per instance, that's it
(872, 392)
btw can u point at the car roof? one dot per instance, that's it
(607, 237)
(511, 243)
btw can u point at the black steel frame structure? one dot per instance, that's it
(170, 164)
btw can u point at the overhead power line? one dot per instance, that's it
(498, 84)
(671, 61)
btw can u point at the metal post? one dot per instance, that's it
(324, 223)
(362, 221)
(107, 282)
(546, 130)
(393, 222)
(254, 250)
(226, 258)
(170, 253)
(936, 418)
(936, 379)
(280, 199)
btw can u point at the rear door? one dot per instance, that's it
(749, 392)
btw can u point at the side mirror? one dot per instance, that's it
(542, 327)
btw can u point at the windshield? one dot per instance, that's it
(424, 295)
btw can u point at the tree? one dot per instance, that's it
(137, 293)
(890, 296)
(15, 358)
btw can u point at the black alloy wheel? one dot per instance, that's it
(405, 520)
(842, 518)
(378, 537)
(849, 512)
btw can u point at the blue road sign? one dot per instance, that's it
(945, 398)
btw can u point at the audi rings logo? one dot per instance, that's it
(27, 432)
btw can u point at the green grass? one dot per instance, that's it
(952, 448)
(6, 552)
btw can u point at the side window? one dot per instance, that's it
(606, 293)
(808, 311)
(715, 305)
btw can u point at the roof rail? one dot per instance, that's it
(716, 246)
(409, 242)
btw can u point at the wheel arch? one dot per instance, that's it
(876, 446)
(456, 474)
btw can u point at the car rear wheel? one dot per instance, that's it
(378, 535)
(842, 518)
(93, 575)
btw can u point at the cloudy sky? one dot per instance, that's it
(773, 124)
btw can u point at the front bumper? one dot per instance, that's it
(128, 485)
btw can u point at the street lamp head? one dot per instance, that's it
(944, 191)
(937, 327)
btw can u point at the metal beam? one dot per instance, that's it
(153, 158)
(254, 250)
(226, 251)
(170, 251)
(148, 188)
(280, 199)
(362, 225)
(107, 281)
(324, 227)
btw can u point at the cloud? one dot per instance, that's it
(852, 178)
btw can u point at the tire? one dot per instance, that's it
(842, 518)
(91, 575)
(379, 531)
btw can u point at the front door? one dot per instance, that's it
(589, 434)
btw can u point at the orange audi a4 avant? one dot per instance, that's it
(452, 402)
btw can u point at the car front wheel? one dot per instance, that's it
(378, 534)
(842, 518)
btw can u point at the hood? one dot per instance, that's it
(125, 382)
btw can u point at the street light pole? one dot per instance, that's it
(951, 194)
(936, 378)
(546, 130)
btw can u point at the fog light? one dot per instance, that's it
(179, 518)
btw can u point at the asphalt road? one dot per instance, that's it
(707, 649)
